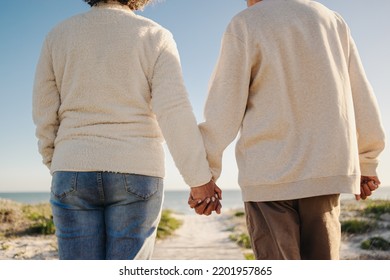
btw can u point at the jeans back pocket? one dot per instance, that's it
(142, 186)
(63, 183)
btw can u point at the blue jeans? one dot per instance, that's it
(102, 215)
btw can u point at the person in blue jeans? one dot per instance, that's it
(108, 92)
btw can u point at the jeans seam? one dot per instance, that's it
(99, 179)
(74, 183)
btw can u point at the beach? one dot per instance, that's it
(200, 238)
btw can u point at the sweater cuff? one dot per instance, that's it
(200, 179)
(368, 169)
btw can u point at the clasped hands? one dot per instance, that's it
(206, 199)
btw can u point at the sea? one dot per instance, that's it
(175, 200)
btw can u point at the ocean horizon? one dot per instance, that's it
(174, 200)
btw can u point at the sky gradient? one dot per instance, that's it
(197, 27)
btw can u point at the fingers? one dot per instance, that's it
(198, 205)
(367, 186)
(200, 209)
(213, 205)
(194, 202)
(364, 192)
(375, 179)
(218, 208)
(218, 192)
(209, 208)
(372, 185)
(205, 207)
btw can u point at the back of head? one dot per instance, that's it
(132, 4)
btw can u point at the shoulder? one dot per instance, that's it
(329, 14)
(153, 28)
(340, 20)
(239, 20)
(71, 23)
(334, 19)
(239, 27)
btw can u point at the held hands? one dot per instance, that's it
(206, 199)
(368, 184)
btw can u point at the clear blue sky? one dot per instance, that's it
(197, 27)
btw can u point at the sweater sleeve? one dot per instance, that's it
(176, 119)
(227, 100)
(371, 135)
(46, 102)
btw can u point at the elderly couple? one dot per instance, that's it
(109, 90)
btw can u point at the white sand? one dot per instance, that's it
(29, 248)
(199, 238)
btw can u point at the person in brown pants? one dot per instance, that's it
(290, 82)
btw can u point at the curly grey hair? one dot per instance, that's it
(133, 4)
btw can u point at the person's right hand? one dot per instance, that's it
(368, 184)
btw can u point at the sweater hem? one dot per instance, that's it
(302, 189)
(136, 157)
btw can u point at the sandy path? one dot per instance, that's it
(199, 238)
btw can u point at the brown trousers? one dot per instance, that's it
(307, 228)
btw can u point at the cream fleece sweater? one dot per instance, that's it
(108, 82)
(289, 78)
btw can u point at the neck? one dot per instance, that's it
(110, 2)
(252, 2)
(113, 4)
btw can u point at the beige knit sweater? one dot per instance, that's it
(108, 82)
(290, 80)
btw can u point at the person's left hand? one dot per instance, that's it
(206, 199)
(368, 184)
